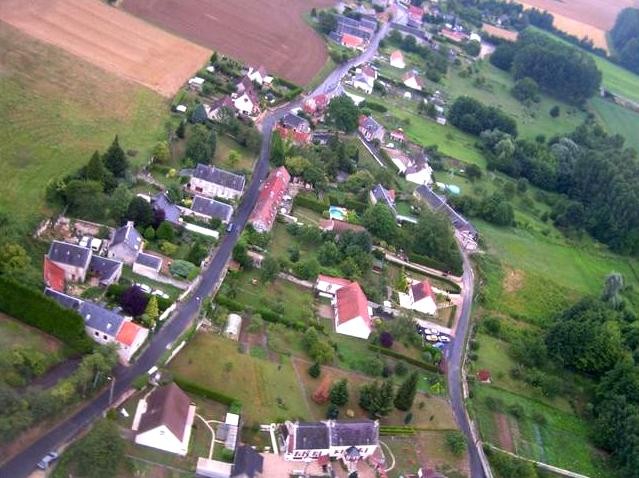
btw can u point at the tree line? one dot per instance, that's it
(560, 70)
(625, 36)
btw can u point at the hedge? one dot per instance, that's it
(267, 314)
(310, 203)
(197, 389)
(371, 105)
(434, 263)
(417, 363)
(34, 308)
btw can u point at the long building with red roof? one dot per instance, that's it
(269, 199)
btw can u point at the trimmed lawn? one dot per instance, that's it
(223, 149)
(307, 216)
(617, 119)
(268, 391)
(57, 110)
(544, 433)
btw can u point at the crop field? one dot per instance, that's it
(270, 32)
(109, 38)
(591, 18)
(57, 109)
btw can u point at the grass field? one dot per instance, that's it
(618, 119)
(57, 110)
(543, 433)
(223, 148)
(268, 391)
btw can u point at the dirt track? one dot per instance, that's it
(110, 39)
(268, 32)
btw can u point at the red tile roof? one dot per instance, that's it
(298, 137)
(351, 304)
(337, 226)
(397, 55)
(128, 332)
(416, 12)
(483, 375)
(53, 275)
(270, 198)
(334, 280)
(351, 40)
(421, 290)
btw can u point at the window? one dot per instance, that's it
(96, 334)
(105, 337)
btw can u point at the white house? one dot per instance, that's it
(365, 79)
(196, 83)
(130, 338)
(330, 439)
(247, 103)
(412, 81)
(397, 60)
(328, 286)
(419, 173)
(215, 182)
(163, 420)
(352, 313)
(420, 297)
(259, 76)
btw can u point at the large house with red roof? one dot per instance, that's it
(316, 104)
(269, 199)
(328, 286)
(352, 313)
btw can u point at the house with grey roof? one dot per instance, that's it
(126, 244)
(247, 463)
(172, 213)
(297, 123)
(330, 438)
(72, 259)
(379, 194)
(147, 265)
(370, 129)
(207, 208)
(63, 299)
(212, 182)
(106, 271)
(101, 324)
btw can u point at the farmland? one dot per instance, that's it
(583, 18)
(109, 38)
(57, 110)
(272, 33)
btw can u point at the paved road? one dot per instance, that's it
(24, 463)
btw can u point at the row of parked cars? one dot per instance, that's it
(433, 335)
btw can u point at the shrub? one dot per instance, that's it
(386, 339)
(315, 370)
(180, 268)
(134, 301)
(456, 442)
(197, 389)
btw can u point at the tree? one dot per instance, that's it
(327, 22)
(472, 47)
(278, 155)
(456, 443)
(380, 221)
(85, 198)
(198, 253)
(149, 233)
(181, 130)
(133, 301)
(554, 111)
(161, 152)
(315, 370)
(234, 158)
(152, 311)
(115, 159)
(100, 453)
(613, 285)
(332, 412)
(13, 259)
(525, 90)
(338, 394)
(270, 269)
(328, 254)
(343, 113)
(95, 170)
(386, 339)
(308, 269)
(376, 398)
(473, 172)
(119, 202)
(240, 255)
(165, 231)
(140, 212)
(629, 56)
(406, 392)
(472, 116)
(183, 269)
(199, 147)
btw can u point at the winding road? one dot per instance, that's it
(24, 463)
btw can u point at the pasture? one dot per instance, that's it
(109, 38)
(57, 110)
(617, 119)
(272, 33)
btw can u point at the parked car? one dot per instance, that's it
(159, 293)
(444, 339)
(432, 338)
(144, 288)
(230, 227)
(47, 460)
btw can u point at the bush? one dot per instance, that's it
(386, 339)
(35, 309)
(183, 269)
(410, 360)
(197, 389)
(315, 370)
(456, 442)
(310, 203)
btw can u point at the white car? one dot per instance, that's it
(159, 293)
(47, 460)
(430, 331)
(144, 288)
(432, 338)
(444, 339)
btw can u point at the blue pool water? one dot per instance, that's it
(338, 213)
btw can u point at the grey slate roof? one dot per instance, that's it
(370, 125)
(311, 436)
(101, 318)
(438, 203)
(295, 122)
(247, 462)
(149, 261)
(354, 433)
(219, 176)
(212, 208)
(382, 195)
(128, 236)
(104, 267)
(69, 254)
(64, 300)
(162, 202)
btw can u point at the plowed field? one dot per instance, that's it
(110, 39)
(268, 32)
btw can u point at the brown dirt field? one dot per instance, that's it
(110, 39)
(505, 437)
(591, 18)
(268, 32)
(500, 32)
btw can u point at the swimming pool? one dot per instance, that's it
(338, 213)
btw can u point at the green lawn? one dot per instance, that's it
(544, 433)
(616, 79)
(495, 90)
(617, 119)
(268, 391)
(224, 146)
(57, 110)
